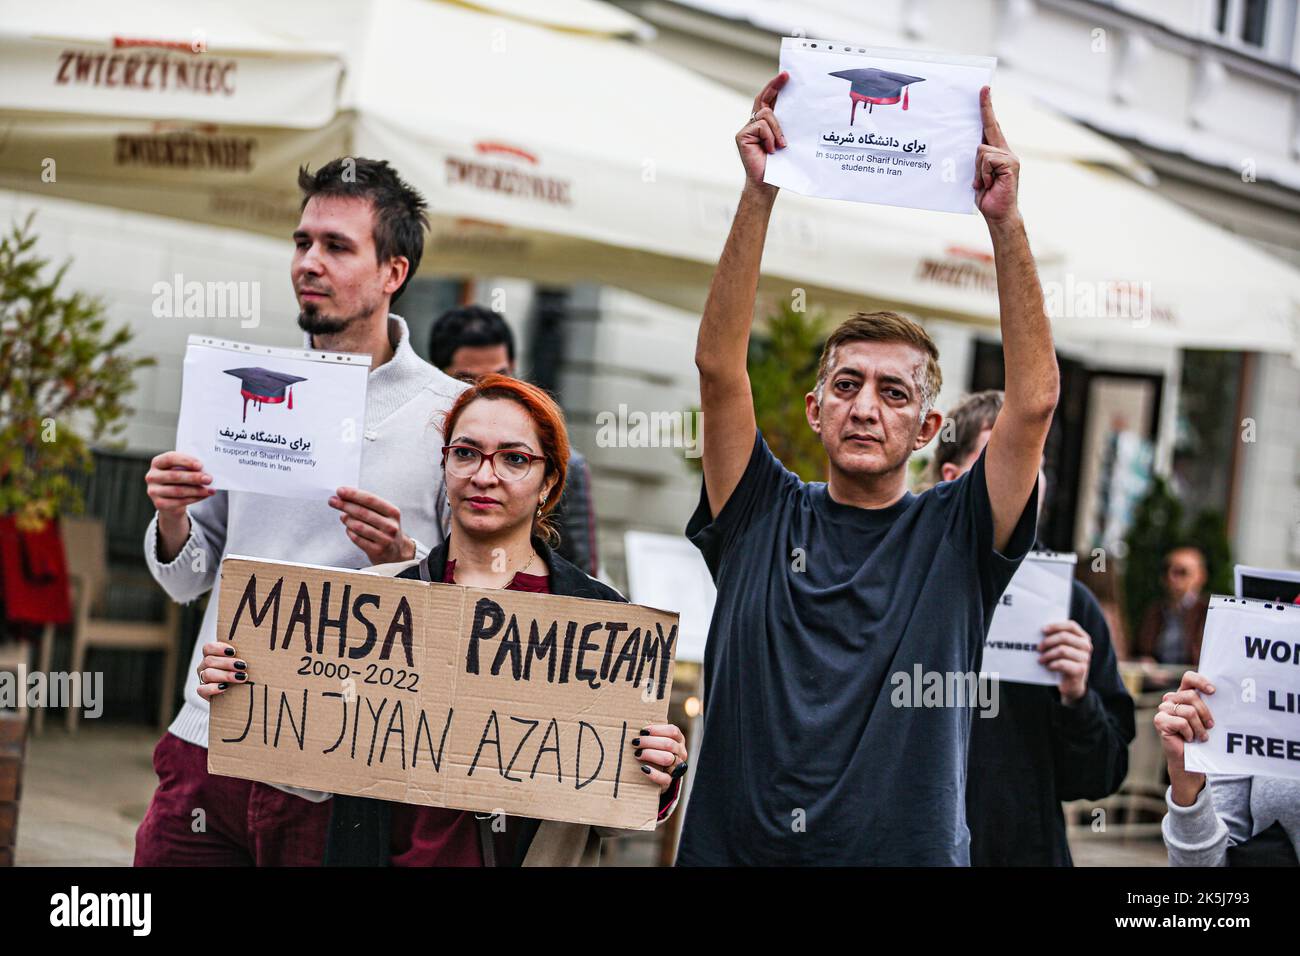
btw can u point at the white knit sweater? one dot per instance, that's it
(405, 400)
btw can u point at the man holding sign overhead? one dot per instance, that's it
(831, 593)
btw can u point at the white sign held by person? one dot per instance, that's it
(667, 571)
(1251, 654)
(877, 125)
(1038, 595)
(276, 421)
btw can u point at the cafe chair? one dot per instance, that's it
(87, 558)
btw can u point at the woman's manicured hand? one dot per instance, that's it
(660, 748)
(219, 669)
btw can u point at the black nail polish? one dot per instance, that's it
(240, 666)
(637, 754)
(222, 686)
(230, 652)
(636, 741)
(645, 769)
(646, 731)
(241, 677)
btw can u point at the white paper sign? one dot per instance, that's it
(667, 571)
(876, 125)
(1251, 654)
(274, 421)
(1038, 595)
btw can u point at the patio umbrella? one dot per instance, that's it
(554, 148)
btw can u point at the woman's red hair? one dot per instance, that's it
(551, 432)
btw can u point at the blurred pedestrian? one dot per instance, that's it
(1170, 628)
(470, 341)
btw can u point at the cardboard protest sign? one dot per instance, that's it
(1038, 595)
(1251, 654)
(876, 125)
(438, 694)
(276, 421)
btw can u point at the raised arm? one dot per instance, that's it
(1015, 448)
(723, 344)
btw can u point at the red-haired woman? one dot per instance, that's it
(505, 459)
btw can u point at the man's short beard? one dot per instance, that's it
(311, 321)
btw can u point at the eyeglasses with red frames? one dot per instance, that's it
(508, 464)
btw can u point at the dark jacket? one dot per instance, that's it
(1037, 753)
(1153, 622)
(360, 828)
(576, 517)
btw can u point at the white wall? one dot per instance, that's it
(1200, 114)
(1268, 518)
(625, 349)
(119, 256)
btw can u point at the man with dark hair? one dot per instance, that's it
(400, 220)
(835, 597)
(1044, 744)
(471, 341)
(1170, 629)
(358, 241)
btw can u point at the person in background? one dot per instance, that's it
(1170, 629)
(470, 341)
(504, 468)
(358, 242)
(1046, 744)
(1209, 825)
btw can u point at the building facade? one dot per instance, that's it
(1162, 79)
(1206, 93)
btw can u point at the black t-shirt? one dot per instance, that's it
(817, 747)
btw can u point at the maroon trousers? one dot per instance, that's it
(241, 823)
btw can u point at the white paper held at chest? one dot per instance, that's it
(276, 421)
(1038, 595)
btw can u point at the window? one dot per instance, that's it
(1253, 20)
(1260, 27)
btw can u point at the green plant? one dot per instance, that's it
(1155, 529)
(1158, 527)
(63, 379)
(782, 363)
(1209, 531)
(782, 367)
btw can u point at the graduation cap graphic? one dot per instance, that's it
(876, 88)
(264, 387)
